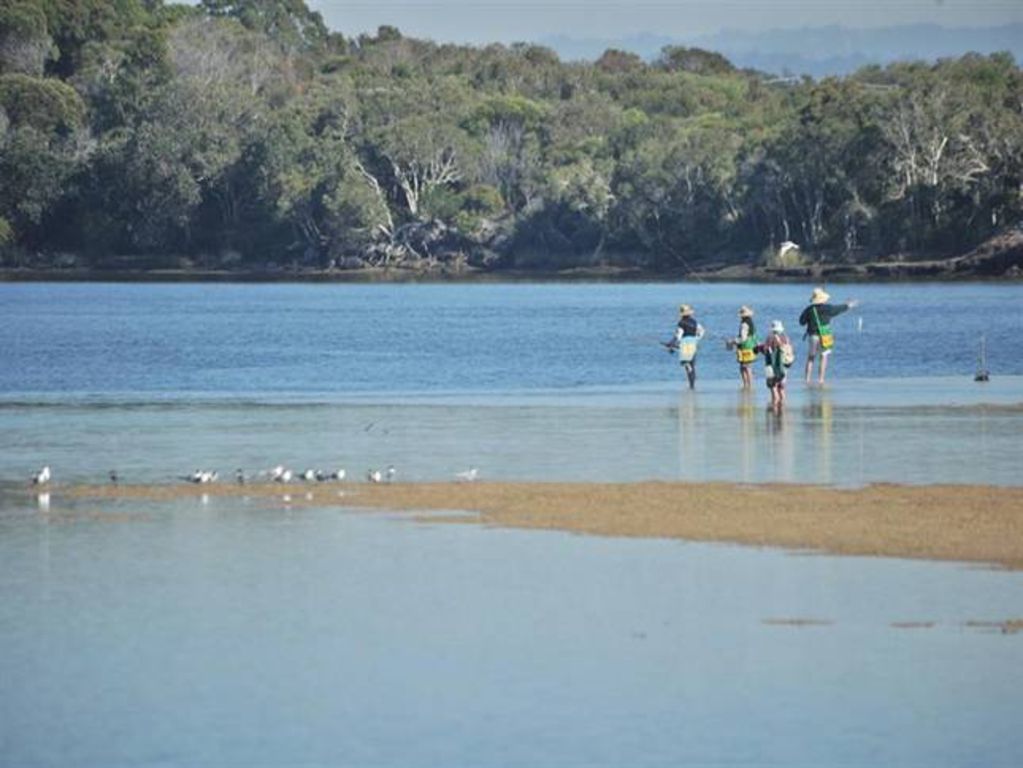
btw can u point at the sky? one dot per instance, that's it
(484, 21)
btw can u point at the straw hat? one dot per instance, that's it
(745, 311)
(685, 310)
(819, 296)
(777, 327)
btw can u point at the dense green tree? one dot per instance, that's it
(243, 131)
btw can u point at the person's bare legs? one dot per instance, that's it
(824, 368)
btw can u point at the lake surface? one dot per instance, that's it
(281, 341)
(238, 632)
(234, 633)
(525, 381)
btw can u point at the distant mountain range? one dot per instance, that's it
(814, 51)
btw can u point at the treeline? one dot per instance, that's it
(244, 133)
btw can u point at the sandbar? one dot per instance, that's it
(965, 523)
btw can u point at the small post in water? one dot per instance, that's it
(982, 372)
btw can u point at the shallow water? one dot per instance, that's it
(525, 381)
(915, 431)
(236, 633)
(243, 633)
(285, 340)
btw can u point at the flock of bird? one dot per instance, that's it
(277, 474)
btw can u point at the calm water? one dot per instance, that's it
(244, 633)
(277, 341)
(550, 381)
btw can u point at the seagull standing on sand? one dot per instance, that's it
(391, 472)
(42, 477)
(374, 476)
(309, 475)
(113, 477)
(468, 475)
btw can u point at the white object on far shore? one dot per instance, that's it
(468, 475)
(374, 476)
(42, 477)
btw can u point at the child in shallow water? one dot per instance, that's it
(778, 356)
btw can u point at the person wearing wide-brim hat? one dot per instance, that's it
(745, 345)
(817, 318)
(686, 340)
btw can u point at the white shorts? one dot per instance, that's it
(814, 344)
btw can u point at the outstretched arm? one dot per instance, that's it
(834, 310)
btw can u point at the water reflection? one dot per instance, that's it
(819, 419)
(748, 442)
(846, 434)
(781, 443)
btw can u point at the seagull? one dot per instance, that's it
(309, 475)
(276, 472)
(374, 476)
(202, 476)
(391, 472)
(468, 475)
(284, 476)
(113, 476)
(42, 477)
(239, 476)
(338, 475)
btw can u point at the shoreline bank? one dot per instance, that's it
(839, 274)
(961, 523)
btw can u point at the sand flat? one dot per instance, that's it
(982, 524)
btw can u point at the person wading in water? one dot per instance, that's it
(816, 318)
(745, 345)
(686, 341)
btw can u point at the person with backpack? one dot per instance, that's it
(686, 341)
(778, 358)
(817, 318)
(745, 345)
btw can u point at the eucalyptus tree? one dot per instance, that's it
(412, 139)
(673, 188)
(954, 138)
